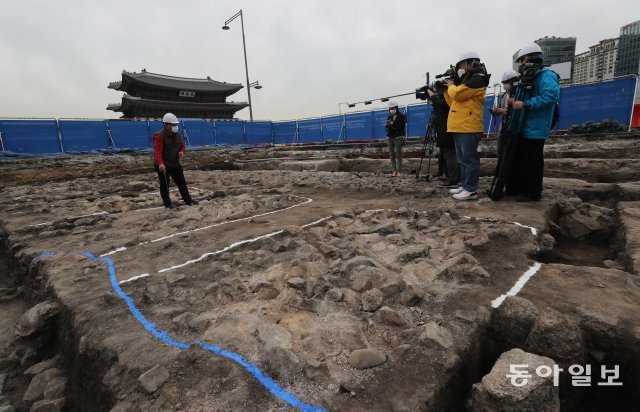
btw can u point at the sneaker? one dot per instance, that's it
(464, 195)
(448, 185)
(456, 190)
(168, 206)
(193, 203)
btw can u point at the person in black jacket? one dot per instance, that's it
(395, 127)
(445, 141)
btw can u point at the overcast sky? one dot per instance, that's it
(57, 57)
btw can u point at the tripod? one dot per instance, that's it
(511, 133)
(429, 142)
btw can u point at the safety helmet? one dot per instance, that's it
(527, 50)
(509, 75)
(393, 103)
(170, 118)
(467, 55)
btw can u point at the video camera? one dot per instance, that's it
(438, 86)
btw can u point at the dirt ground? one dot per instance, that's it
(311, 279)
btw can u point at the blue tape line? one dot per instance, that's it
(264, 379)
(261, 377)
(43, 255)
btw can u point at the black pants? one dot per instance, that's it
(528, 169)
(442, 165)
(453, 170)
(177, 174)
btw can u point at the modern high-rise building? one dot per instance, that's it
(596, 65)
(557, 49)
(628, 61)
(554, 50)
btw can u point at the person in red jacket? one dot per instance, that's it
(168, 149)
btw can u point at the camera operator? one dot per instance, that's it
(395, 127)
(444, 140)
(539, 108)
(508, 79)
(465, 96)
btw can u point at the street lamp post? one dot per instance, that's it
(340, 106)
(244, 45)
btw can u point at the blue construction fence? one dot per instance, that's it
(611, 100)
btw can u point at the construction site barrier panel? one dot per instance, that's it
(610, 100)
(417, 119)
(30, 136)
(259, 133)
(229, 133)
(309, 131)
(359, 126)
(80, 136)
(129, 134)
(332, 129)
(199, 132)
(284, 132)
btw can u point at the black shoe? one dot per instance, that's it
(169, 206)
(449, 185)
(193, 203)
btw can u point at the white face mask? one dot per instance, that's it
(507, 87)
(461, 72)
(392, 111)
(174, 129)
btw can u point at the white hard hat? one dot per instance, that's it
(170, 118)
(508, 75)
(393, 103)
(530, 49)
(468, 55)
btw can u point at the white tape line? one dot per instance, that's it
(120, 249)
(307, 201)
(217, 252)
(236, 244)
(144, 275)
(518, 286)
(533, 229)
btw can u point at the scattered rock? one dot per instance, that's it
(361, 283)
(423, 224)
(176, 279)
(366, 358)
(372, 300)
(547, 242)
(37, 319)
(496, 392)
(55, 388)
(41, 367)
(434, 333)
(393, 288)
(282, 362)
(390, 317)
(513, 320)
(334, 295)
(412, 295)
(611, 264)
(38, 384)
(601, 327)
(297, 283)
(352, 263)
(413, 253)
(201, 322)
(558, 336)
(268, 293)
(154, 378)
(278, 247)
(48, 405)
(316, 370)
(183, 319)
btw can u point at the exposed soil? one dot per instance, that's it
(351, 289)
